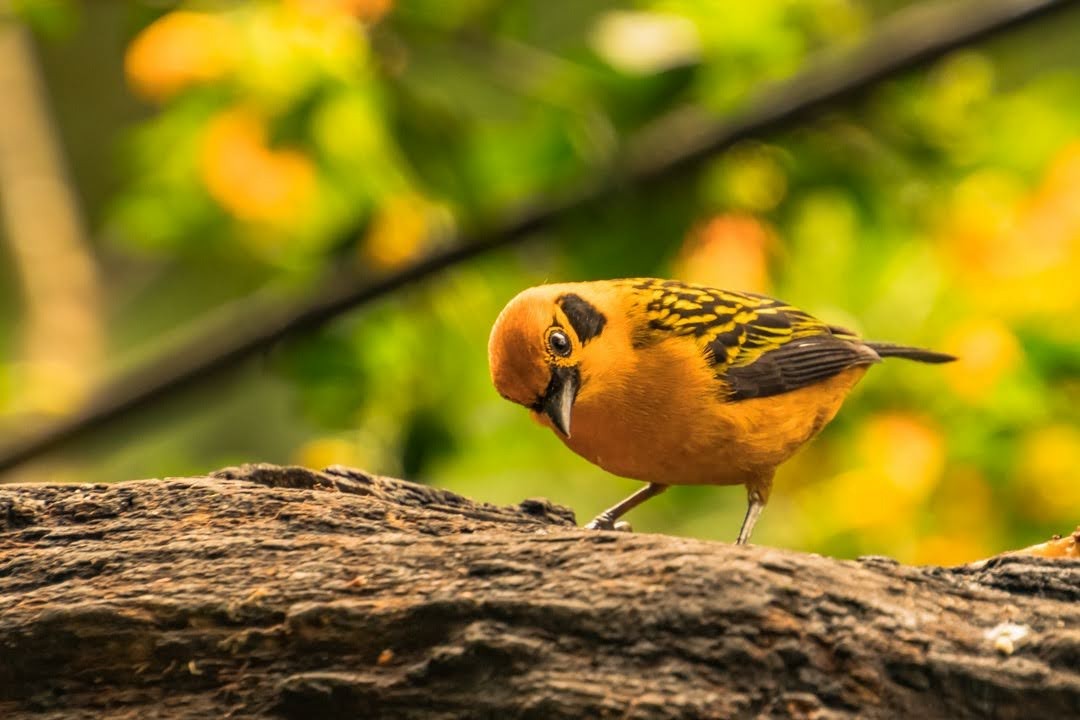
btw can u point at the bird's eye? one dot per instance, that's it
(558, 342)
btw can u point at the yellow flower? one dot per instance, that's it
(964, 520)
(860, 499)
(901, 462)
(989, 352)
(249, 179)
(1016, 254)
(323, 452)
(964, 503)
(404, 228)
(176, 51)
(950, 549)
(727, 251)
(908, 452)
(369, 11)
(1046, 481)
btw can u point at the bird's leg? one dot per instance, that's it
(758, 489)
(606, 520)
(755, 504)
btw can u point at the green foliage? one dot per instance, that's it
(939, 209)
(52, 18)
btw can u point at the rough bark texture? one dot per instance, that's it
(281, 592)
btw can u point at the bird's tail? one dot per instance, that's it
(909, 353)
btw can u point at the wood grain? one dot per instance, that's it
(265, 591)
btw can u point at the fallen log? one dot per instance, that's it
(266, 591)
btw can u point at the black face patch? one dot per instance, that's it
(587, 321)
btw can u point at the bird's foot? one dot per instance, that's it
(606, 522)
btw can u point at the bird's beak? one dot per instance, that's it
(558, 401)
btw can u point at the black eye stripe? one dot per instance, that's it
(587, 321)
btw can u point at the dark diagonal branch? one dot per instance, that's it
(680, 143)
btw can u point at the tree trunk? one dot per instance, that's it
(265, 591)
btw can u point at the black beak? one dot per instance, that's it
(558, 400)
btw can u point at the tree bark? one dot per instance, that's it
(266, 591)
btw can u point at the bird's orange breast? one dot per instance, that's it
(657, 414)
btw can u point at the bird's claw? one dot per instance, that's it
(601, 522)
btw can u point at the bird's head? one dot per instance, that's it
(537, 346)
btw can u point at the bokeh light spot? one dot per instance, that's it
(727, 251)
(177, 51)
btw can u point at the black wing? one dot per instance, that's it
(796, 364)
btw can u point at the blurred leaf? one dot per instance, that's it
(428, 439)
(332, 385)
(56, 19)
(286, 138)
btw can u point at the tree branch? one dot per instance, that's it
(63, 326)
(264, 591)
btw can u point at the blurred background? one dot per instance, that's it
(173, 174)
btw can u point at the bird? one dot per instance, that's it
(674, 383)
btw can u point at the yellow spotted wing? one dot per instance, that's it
(758, 345)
